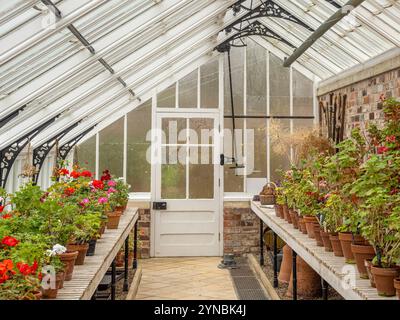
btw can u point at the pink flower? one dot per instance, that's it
(86, 200)
(102, 200)
(382, 150)
(111, 183)
(391, 138)
(111, 190)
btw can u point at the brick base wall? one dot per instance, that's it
(144, 233)
(241, 229)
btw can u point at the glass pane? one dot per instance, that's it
(173, 173)
(112, 148)
(201, 130)
(139, 169)
(233, 178)
(256, 164)
(302, 95)
(256, 79)
(209, 85)
(188, 90)
(279, 87)
(174, 130)
(86, 154)
(166, 98)
(237, 63)
(280, 152)
(201, 173)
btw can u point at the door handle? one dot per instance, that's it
(159, 205)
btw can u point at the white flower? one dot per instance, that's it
(57, 249)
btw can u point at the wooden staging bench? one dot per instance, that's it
(344, 278)
(87, 277)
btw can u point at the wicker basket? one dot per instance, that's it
(267, 195)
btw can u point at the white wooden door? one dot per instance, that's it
(187, 179)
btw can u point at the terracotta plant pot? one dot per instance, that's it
(397, 287)
(362, 253)
(384, 280)
(302, 225)
(82, 250)
(120, 259)
(309, 221)
(293, 220)
(308, 281)
(336, 246)
(346, 238)
(68, 258)
(287, 215)
(278, 210)
(51, 293)
(120, 209)
(317, 233)
(286, 265)
(113, 219)
(62, 280)
(326, 241)
(368, 265)
(92, 248)
(282, 212)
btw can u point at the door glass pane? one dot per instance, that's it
(201, 173)
(173, 173)
(188, 90)
(279, 87)
(166, 98)
(111, 147)
(209, 85)
(201, 130)
(174, 130)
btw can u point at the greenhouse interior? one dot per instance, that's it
(200, 150)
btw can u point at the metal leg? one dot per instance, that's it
(294, 271)
(261, 243)
(126, 271)
(275, 260)
(325, 289)
(113, 279)
(135, 236)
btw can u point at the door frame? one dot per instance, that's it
(219, 192)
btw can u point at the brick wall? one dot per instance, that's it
(144, 233)
(363, 105)
(241, 229)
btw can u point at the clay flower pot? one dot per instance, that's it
(346, 238)
(282, 212)
(51, 293)
(397, 287)
(113, 219)
(317, 233)
(278, 210)
(293, 215)
(302, 225)
(326, 241)
(308, 281)
(368, 265)
(68, 258)
(309, 221)
(120, 209)
(82, 250)
(336, 246)
(286, 265)
(62, 279)
(384, 280)
(362, 253)
(287, 215)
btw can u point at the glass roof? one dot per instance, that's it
(84, 60)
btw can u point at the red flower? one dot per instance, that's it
(26, 269)
(394, 191)
(6, 216)
(382, 150)
(106, 175)
(1, 208)
(63, 172)
(86, 173)
(6, 269)
(98, 184)
(69, 191)
(75, 174)
(9, 241)
(391, 138)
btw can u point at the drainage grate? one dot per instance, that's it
(246, 284)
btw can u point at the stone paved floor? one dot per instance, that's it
(185, 279)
